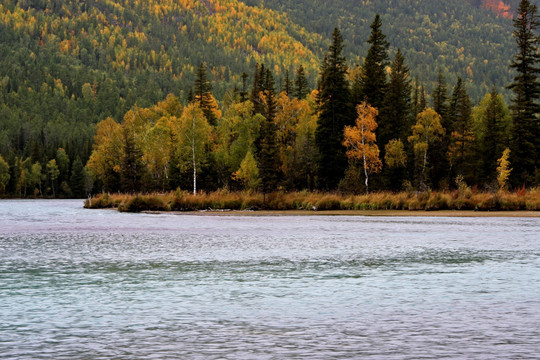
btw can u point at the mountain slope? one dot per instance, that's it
(460, 37)
(66, 64)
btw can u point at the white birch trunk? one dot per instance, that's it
(193, 158)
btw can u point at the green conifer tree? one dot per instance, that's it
(460, 151)
(78, 179)
(373, 81)
(301, 87)
(203, 94)
(267, 149)
(438, 157)
(335, 112)
(525, 103)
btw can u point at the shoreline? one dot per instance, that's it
(375, 213)
(455, 203)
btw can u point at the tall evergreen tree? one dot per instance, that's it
(525, 104)
(494, 136)
(373, 77)
(257, 88)
(267, 149)
(438, 157)
(78, 179)
(335, 112)
(461, 135)
(301, 86)
(287, 86)
(395, 114)
(243, 91)
(132, 167)
(395, 117)
(440, 96)
(203, 94)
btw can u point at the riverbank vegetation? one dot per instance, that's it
(463, 199)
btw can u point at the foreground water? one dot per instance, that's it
(98, 284)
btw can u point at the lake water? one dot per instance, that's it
(98, 284)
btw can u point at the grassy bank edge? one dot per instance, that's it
(320, 203)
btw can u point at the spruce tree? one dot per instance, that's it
(78, 179)
(440, 96)
(335, 112)
(460, 150)
(257, 88)
(203, 94)
(494, 137)
(525, 106)
(267, 149)
(394, 117)
(286, 86)
(438, 158)
(373, 77)
(132, 167)
(243, 92)
(301, 87)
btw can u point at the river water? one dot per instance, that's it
(98, 284)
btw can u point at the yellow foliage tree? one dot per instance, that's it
(503, 170)
(360, 140)
(426, 131)
(104, 163)
(248, 173)
(192, 134)
(395, 155)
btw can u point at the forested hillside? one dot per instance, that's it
(460, 37)
(66, 65)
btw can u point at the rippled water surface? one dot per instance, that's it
(97, 284)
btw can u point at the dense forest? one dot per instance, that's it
(220, 94)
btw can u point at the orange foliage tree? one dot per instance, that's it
(360, 140)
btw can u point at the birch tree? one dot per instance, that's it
(360, 141)
(192, 135)
(425, 132)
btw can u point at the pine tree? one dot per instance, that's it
(286, 86)
(203, 94)
(373, 77)
(394, 116)
(438, 157)
(257, 88)
(440, 96)
(494, 137)
(460, 151)
(77, 181)
(301, 87)
(525, 104)
(132, 167)
(267, 149)
(422, 104)
(243, 92)
(335, 112)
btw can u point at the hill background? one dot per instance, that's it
(66, 64)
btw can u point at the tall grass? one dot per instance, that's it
(464, 199)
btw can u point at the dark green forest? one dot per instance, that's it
(142, 68)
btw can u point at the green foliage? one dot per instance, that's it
(4, 175)
(526, 101)
(372, 79)
(335, 112)
(248, 173)
(77, 180)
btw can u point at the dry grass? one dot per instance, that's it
(465, 199)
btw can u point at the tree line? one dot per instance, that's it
(371, 122)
